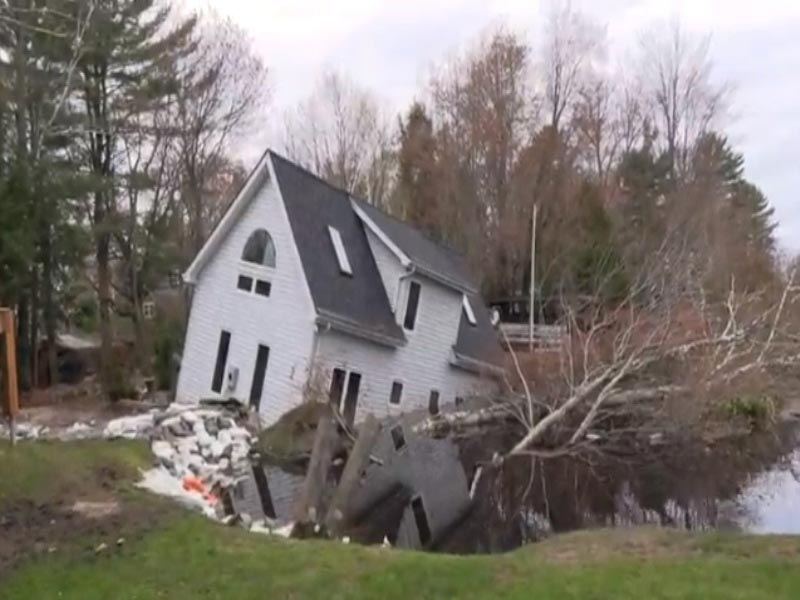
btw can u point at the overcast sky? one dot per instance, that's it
(389, 46)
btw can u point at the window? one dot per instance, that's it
(421, 519)
(149, 310)
(245, 283)
(470, 314)
(412, 305)
(397, 393)
(338, 247)
(398, 437)
(433, 403)
(222, 359)
(263, 288)
(351, 398)
(337, 386)
(459, 401)
(260, 249)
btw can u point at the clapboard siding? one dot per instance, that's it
(389, 268)
(284, 321)
(422, 365)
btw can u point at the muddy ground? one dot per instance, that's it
(98, 516)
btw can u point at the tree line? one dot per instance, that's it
(121, 124)
(118, 128)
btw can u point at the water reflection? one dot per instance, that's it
(751, 486)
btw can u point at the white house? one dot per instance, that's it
(303, 290)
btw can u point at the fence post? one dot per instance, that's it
(11, 391)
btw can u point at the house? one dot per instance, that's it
(302, 291)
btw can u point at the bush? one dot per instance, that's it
(757, 410)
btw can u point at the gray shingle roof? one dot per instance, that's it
(478, 342)
(428, 255)
(312, 205)
(360, 301)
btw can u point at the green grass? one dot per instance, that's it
(44, 471)
(193, 558)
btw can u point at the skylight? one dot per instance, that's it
(468, 311)
(338, 247)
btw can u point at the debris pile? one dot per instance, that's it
(199, 452)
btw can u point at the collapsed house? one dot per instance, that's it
(303, 291)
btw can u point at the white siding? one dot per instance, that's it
(284, 321)
(389, 267)
(422, 365)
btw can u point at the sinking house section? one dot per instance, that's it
(411, 493)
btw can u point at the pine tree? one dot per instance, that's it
(127, 69)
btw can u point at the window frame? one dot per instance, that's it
(411, 285)
(343, 260)
(469, 312)
(270, 241)
(264, 282)
(434, 395)
(399, 394)
(239, 278)
(148, 310)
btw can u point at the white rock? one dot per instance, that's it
(137, 426)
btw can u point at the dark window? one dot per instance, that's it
(259, 249)
(412, 305)
(263, 288)
(398, 437)
(245, 283)
(351, 398)
(433, 403)
(337, 386)
(421, 518)
(222, 359)
(263, 491)
(459, 401)
(257, 387)
(397, 393)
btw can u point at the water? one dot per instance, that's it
(752, 486)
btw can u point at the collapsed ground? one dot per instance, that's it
(50, 550)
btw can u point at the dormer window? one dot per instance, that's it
(338, 248)
(468, 312)
(260, 249)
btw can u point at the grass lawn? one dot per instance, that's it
(189, 557)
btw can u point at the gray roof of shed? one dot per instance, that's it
(312, 205)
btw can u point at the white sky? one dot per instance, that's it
(389, 45)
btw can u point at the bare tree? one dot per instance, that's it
(665, 361)
(572, 48)
(341, 133)
(222, 97)
(675, 70)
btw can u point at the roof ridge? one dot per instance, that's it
(308, 172)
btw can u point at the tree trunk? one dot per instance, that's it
(104, 296)
(23, 344)
(49, 306)
(34, 329)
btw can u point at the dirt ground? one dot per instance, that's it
(95, 518)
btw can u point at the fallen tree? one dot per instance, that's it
(667, 358)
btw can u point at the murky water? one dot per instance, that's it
(751, 487)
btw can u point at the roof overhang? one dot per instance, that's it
(338, 323)
(404, 259)
(257, 177)
(475, 365)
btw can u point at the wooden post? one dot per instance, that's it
(11, 395)
(338, 515)
(310, 501)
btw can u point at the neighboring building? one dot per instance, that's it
(303, 292)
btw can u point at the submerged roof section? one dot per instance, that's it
(430, 258)
(357, 304)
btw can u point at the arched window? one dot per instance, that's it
(260, 249)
